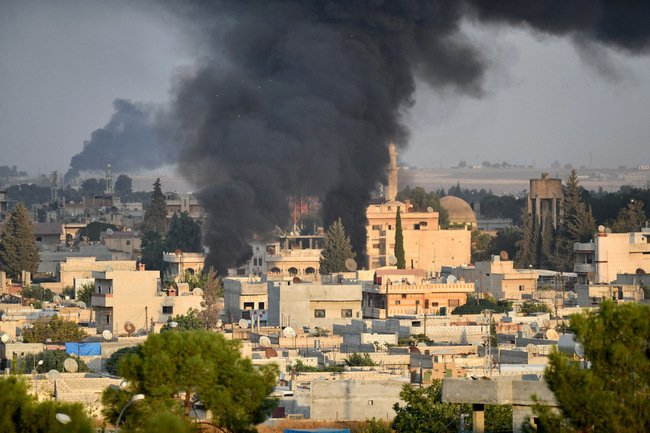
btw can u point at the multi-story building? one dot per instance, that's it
(181, 262)
(545, 196)
(127, 241)
(397, 292)
(177, 203)
(4, 207)
(246, 298)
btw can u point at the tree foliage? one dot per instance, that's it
(179, 369)
(358, 360)
(94, 230)
(18, 251)
(113, 361)
(336, 251)
(631, 218)
(156, 214)
(85, 293)
(612, 395)
(53, 360)
(480, 245)
(474, 307)
(152, 250)
(38, 293)
(57, 330)
(420, 199)
(526, 245)
(123, 187)
(21, 413)
(212, 292)
(399, 242)
(183, 234)
(534, 307)
(185, 322)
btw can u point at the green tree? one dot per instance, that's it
(187, 322)
(85, 293)
(53, 360)
(179, 369)
(94, 230)
(212, 292)
(612, 395)
(358, 360)
(547, 246)
(18, 251)
(474, 307)
(155, 216)
(336, 251)
(480, 243)
(152, 250)
(534, 307)
(526, 245)
(38, 293)
(91, 186)
(58, 330)
(399, 242)
(631, 218)
(67, 291)
(123, 186)
(419, 198)
(576, 224)
(22, 413)
(113, 361)
(505, 240)
(183, 234)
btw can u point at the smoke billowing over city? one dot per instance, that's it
(305, 97)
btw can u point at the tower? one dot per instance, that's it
(109, 179)
(391, 189)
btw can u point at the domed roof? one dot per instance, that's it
(459, 210)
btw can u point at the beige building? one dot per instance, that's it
(246, 298)
(179, 263)
(609, 254)
(425, 245)
(127, 241)
(4, 207)
(498, 277)
(460, 212)
(133, 296)
(49, 234)
(177, 203)
(83, 267)
(593, 295)
(545, 196)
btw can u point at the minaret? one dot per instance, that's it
(391, 189)
(109, 179)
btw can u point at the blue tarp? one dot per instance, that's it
(83, 349)
(319, 430)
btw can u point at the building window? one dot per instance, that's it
(128, 242)
(403, 296)
(241, 271)
(260, 305)
(249, 305)
(108, 319)
(319, 313)
(376, 246)
(376, 227)
(346, 313)
(39, 239)
(416, 226)
(377, 209)
(521, 288)
(454, 302)
(254, 262)
(168, 310)
(371, 403)
(397, 302)
(389, 208)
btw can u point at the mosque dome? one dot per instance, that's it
(460, 212)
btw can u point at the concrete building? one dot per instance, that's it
(312, 305)
(246, 298)
(545, 196)
(392, 187)
(593, 295)
(50, 234)
(460, 212)
(177, 203)
(127, 241)
(498, 277)
(425, 245)
(406, 292)
(133, 296)
(74, 268)
(609, 254)
(4, 207)
(181, 262)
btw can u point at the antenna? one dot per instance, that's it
(591, 277)
(129, 328)
(178, 252)
(503, 255)
(109, 232)
(108, 335)
(70, 365)
(198, 291)
(351, 265)
(296, 280)
(392, 260)
(81, 304)
(219, 323)
(53, 374)
(270, 353)
(265, 341)
(451, 279)
(243, 323)
(601, 229)
(552, 334)
(531, 348)
(142, 332)
(5, 338)
(109, 268)
(288, 332)
(430, 209)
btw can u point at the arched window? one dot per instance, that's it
(310, 270)
(293, 271)
(275, 270)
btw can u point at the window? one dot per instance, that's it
(39, 239)
(128, 242)
(346, 313)
(168, 310)
(376, 227)
(260, 305)
(319, 313)
(454, 302)
(241, 271)
(389, 208)
(255, 262)
(416, 226)
(371, 403)
(521, 288)
(108, 319)
(403, 296)
(249, 305)
(376, 246)
(377, 209)
(397, 302)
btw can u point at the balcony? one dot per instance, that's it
(102, 300)
(583, 268)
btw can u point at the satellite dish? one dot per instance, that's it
(503, 255)
(351, 265)
(178, 252)
(81, 304)
(288, 332)
(5, 338)
(531, 348)
(265, 341)
(142, 332)
(108, 335)
(451, 280)
(70, 365)
(568, 345)
(53, 374)
(525, 328)
(272, 251)
(270, 353)
(552, 334)
(640, 271)
(296, 280)
(129, 327)
(109, 268)
(414, 349)
(422, 344)
(608, 230)
(243, 323)
(197, 291)
(571, 295)
(219, 323)
(109, 232)
(392, 260)
(430, 209)
(57, 300)
(546, 323)
(601, 229)
(591, 276)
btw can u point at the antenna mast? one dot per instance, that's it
(487, 362)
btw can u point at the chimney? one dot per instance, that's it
(140, 267)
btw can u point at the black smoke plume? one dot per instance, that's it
(307, 95)
(131, 140)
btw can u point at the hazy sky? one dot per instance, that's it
(63, 63)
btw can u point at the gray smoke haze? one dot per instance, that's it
(132, 139)
(306, 96)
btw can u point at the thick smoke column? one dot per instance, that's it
(311, 94)
(130, 139)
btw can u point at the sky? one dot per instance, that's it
(64, 63)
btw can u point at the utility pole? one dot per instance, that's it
(146, 321)
(487, 361)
